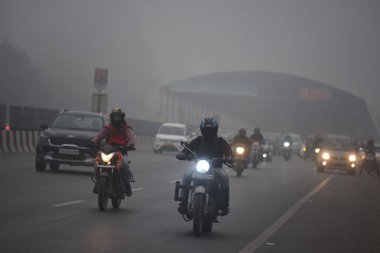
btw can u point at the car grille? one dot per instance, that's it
(69, 157)
(71, 141)
(338, 158)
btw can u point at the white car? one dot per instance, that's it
(169, 137)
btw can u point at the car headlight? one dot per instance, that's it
(326, 156)
(202, 166)
(317, 150)
(107, 158)
(352, 158)
(43, 139)
(240, 150)
(286, 144)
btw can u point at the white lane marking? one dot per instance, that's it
(138, 189)
(264, 236)
(69, 203)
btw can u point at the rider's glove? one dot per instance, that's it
(229, 159)
(92, 144)
(131, 146)
(181, 156)
(190, 156)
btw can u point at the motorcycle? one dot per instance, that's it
(107, 179)
(266, 154)
(256, 154)
(240, 153)
(204, 198)
(286, 151)
(369, 164)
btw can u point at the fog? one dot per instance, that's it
(146, 44)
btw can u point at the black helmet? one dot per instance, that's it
(370, 143)
(117, 117)
(257, 130)
(209, 127)
(242, 132)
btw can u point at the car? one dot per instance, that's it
(170, 137)
(64, 142)
(337, 152)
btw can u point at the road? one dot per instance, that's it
(279, 207)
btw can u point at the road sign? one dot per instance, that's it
(100, 78)
(99, 102)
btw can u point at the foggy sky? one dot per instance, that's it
(146, 44)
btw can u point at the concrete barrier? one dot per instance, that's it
(26, 141)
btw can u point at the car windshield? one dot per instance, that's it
(338, 143)
(172, 130)
(78, 122)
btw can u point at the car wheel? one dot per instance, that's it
(39, 164)
(54, 166)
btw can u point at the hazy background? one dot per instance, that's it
(146, 44)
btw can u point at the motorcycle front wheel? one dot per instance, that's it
(102, 194)
(198, 210)
(116, 203)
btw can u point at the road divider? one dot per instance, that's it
(69, 203)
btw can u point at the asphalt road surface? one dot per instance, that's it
(278, 207)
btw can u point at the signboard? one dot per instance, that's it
(314, 94)
(99, 102)
(100, 78)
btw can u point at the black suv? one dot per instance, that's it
(65, 141)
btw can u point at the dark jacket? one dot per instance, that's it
(210, 148)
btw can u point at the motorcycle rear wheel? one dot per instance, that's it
(102, 194)
(198, 210)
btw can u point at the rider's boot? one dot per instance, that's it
(128, 189)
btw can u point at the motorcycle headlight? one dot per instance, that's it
(286, 144)
(240, 150)
(107, 158)
(317, 150)
(352, 158)
(202, 166)
(326, 156)
(265, 155)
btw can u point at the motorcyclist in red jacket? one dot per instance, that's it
(120, 133)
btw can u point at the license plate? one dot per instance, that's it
(203, 176)
(67, 151)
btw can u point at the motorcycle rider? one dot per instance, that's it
(370, 149)
(209, 146)
(289, 139)
(317, 142)
(242, 138)
(257, 136)
(119, 132)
